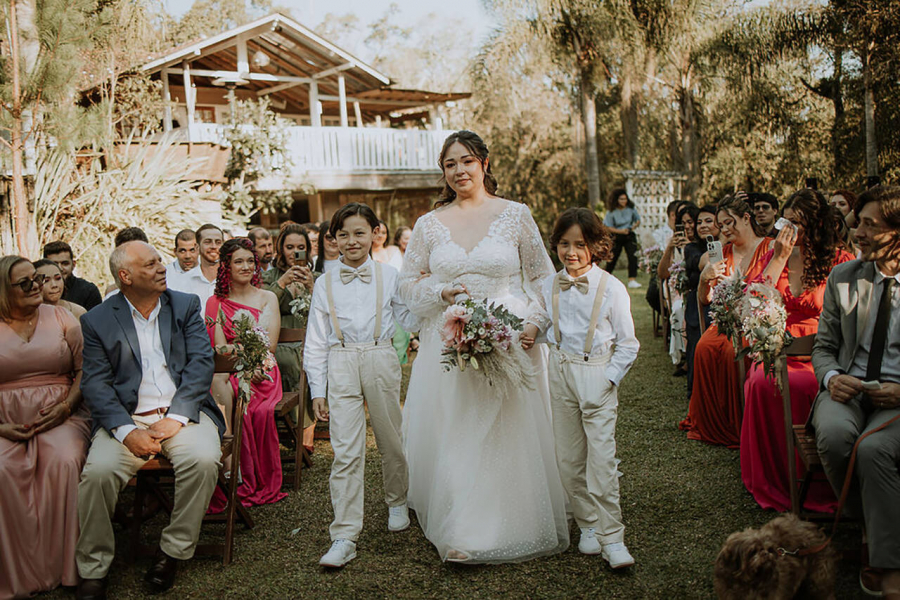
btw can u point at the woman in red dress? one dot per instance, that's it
(800, 263)
(714, 414)
(237, 291)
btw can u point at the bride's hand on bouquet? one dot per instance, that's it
(528, 336)
(450, 292)
(320, 409)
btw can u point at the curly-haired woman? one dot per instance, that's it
(237, 290)
(800, 263)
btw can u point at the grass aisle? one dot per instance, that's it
(680, 500)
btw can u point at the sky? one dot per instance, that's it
(311, 12)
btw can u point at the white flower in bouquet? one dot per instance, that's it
(724, 307)
(764, 322)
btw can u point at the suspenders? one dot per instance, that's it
(595, 314)
(379, 299)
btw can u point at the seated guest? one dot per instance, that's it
(288, 279)
(78, 291)
(663, 233)
(714, 414)
(801, 261)
(129, 234)
(765, 209)
(402, 237)
(44, 434)
(147, 372)
(54, 286)
(262, 242)
(845, 201)
(186, 252)
(312, 232)
(691, 249)
(383, 253)
(329, 255)
(201, 280)
(237, 289)
(704, 227)
(858, 342)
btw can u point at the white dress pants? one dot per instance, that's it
(361, 375)
(585, 405)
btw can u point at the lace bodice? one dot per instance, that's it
(508, 264)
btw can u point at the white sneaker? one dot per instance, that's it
(340, 553)
(634, 284)
(617, 555)
(589, 544)
(398, 518)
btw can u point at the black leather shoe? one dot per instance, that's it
(91, 589)
(161, 576)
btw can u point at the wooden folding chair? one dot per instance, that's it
(797, 438)
(291, 401)
(159, 470)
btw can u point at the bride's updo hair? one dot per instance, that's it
(478, 148)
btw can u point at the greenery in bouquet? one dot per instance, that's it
(764, 323)
(484, 336)
(251, 349)
(300, 306)
(679, 277)
(648, 259)
(724, 309)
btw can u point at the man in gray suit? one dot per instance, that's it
(857, 362)
(148, 366)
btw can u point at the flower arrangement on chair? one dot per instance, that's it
(723, 308)
(764, 322)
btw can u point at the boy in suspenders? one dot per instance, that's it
(348, 352)
(592, 347)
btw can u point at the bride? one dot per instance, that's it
(483, 478)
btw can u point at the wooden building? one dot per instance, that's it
(355, 137)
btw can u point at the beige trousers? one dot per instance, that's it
(585, 404)
(194, 452)
(361, 375)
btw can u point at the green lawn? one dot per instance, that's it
(680, 500)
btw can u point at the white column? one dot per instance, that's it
(167, 99)
(342, 100)
(243, 63)
(314, 118)
(437, 123)
(188, 97)
(357, 113)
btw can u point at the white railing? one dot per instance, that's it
(351, 149)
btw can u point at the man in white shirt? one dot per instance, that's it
(857, 361)
(148, 366)
(201, 280)
(265, 248)
(186, 252)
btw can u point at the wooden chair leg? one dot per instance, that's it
(140, 491)
(804, 488)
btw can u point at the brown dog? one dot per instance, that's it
(768, 563)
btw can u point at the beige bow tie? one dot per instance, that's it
(364, 273)
(581, 284)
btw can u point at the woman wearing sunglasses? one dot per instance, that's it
(44, 434)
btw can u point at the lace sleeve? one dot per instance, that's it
(536, 267)
(422, 294)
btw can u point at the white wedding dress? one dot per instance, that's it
(483, 478)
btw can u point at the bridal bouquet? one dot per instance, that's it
(482, 335)
(678, 275)
(251, 348)
(764, 321)
(723, 309)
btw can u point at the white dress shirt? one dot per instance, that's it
(890, 362)
(193, 282)
(328, 265)
(354, 304)
(157, 387)
(174, 268)
(615, 327)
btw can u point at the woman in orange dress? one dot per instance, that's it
(714, 414)
(801, 261)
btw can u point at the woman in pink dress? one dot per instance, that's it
(44, 435)
(237, 289)
(800, 263)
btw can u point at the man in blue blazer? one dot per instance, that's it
(148, 366)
